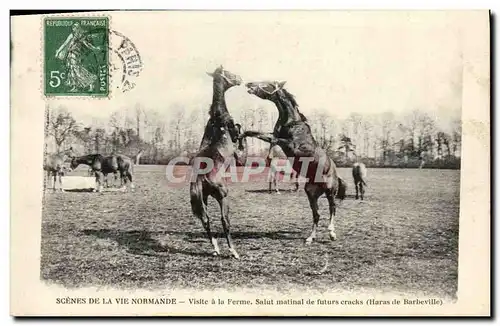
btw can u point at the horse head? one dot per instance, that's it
(74, 163)
(265, 89)
(275, 92)
(226, 77)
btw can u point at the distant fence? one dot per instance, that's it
(452, 163)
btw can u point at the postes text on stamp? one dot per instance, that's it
(76, 56)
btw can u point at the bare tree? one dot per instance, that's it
(62, 126)
(387, 124)
(456, 137)
(99, 140)
(367, 132)
(85, 136)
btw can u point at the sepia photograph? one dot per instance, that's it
(259, 163)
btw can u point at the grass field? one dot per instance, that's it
(403, 237)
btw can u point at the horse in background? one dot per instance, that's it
(104, 165)
(54, 166)
(359, 175)
(218, 145)
(137, 157)
(278, 163)
(293, 134)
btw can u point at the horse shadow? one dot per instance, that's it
(139, 242)
(274, 235)
(266, 191)
(80, 190)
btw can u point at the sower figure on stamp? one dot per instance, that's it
(221, 142)
(72, 52)
(293, 134)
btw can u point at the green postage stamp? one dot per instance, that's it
(76, 56)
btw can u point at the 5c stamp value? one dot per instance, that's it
(76, 56)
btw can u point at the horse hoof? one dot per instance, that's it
(235, 254)
(309, 241)
(215, 254)
(333, 236)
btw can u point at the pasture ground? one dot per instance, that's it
(403, 237)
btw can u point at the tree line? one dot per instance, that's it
(384, 139)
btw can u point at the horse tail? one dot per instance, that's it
(137, 156)
(196, 193)
(342, 189)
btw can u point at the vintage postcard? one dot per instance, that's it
(250, 163)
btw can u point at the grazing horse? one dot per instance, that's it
(293, 134)
(277, 162)
(54, 166)
(104, 165)
(359, 176)
(217, 146)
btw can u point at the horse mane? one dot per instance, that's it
(92, 156)
(289, 96)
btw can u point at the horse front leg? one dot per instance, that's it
(99, 178)
(357, 190)
(313, 193)
(123, 181)
(106, 185)
(268, 137)
(129, 178)
(54, 174)
(47, 181)
(59, 176)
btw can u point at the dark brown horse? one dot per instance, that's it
(104, 165)
(54, 166)
(359, 176)
(293, 134)
(219, 144)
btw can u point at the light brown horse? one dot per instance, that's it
(359, 176)
(54, 166)
(219, 144)
(278, 163)
(293, 134)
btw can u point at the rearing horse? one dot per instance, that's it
(293, 134)
(218, 145)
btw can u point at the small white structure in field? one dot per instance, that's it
(77, 182)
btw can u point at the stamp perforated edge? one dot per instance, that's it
(42, 58)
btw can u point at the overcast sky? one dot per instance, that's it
(337, 62)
